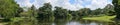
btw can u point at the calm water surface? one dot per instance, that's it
(62, 22)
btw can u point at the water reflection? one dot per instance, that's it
(25, 21)
(62, 22)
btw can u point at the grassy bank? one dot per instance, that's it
(101, 18)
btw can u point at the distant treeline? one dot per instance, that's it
(9, 9)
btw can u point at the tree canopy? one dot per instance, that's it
(116, 4)
(8, 8)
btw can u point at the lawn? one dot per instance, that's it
(101, 18)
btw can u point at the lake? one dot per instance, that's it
(84, 22)
(62, 22)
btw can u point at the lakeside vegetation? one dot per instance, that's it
(13, 14)
(101, 18)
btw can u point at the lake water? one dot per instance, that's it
(62, 22)
(84, 22)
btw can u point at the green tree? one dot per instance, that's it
(20, 10)
(31, 12)
(97, 12)
(109, 10)
(45, 12)
(84, 12)
(75, 14)
(8, 8)
(116, 4)
(60, 13)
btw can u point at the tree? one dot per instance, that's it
(45, 12)
(32, 12)
(109, 10)
(84, 12)
(60, 13)
(8, 8)
(75, 14)
(116, 4)
(20, 10)
(97, 12)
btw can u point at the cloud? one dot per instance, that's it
(98, 4)
(24, 3)
(62, 3)
(68, 4)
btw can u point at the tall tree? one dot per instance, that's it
(45, 12)
(60, 13)
(8, 8)
(97, 11)
(20, 10)
(116, 4)
(108, 10)
(32, 11)
(84, 12)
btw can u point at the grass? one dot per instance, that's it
(101, 18)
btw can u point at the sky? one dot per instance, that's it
(66, 4)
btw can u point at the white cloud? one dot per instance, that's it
(62, 3)
(24, 3)
(98, 4)
(93, 4)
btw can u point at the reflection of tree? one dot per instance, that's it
(61, 21)
(85, 22)
(45, 22)
(89, 22)
(24, 21)
(107, 23)
(116, 22)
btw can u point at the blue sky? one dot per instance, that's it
(72, 1)
(67, 4)
(31, 1)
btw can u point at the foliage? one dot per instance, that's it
(45, 12)
(109, 10)
(8, 8)
(84, 12)
(23, 21)
(116, 4)
(61, 13)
